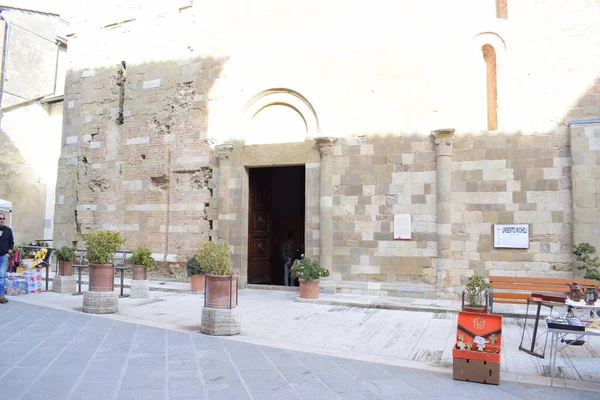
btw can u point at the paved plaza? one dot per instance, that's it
(54, 353)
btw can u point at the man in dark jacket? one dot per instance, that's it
(7, 242)
(288, 252)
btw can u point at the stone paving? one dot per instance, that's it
(56, 354)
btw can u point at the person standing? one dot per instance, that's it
(7, 243)
(288, 252)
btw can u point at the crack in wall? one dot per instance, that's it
(120, 79)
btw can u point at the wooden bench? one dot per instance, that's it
(516, 290)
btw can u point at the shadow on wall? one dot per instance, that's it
(20, 184)
(135, 156)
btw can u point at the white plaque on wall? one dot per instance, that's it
(512, 236)
(402, 227)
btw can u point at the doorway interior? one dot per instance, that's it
(276, 206)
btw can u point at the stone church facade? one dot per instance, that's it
(461, 114)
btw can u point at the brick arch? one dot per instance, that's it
(286, 97)
(492, 39)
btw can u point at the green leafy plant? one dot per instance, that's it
(308, 269)
(65, 253)
(100, 246)
(215, 258)
(585, 257)
(141, 256)
(475, 291)
(193, 267)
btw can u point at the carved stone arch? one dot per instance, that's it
(283, 97)
(489, 38)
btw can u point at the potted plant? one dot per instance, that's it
(65, 257)
(475, 295)
(100, 247)
(221, 283)
(584, 255)
(141, 258)
(196, 274)
(308, 272)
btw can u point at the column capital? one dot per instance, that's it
(224, 151)
(443, 141)
(326, 145)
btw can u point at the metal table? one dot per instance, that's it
(557, 336)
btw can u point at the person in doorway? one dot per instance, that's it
(288, 252)
(7, 243)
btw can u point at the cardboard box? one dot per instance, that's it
(473, 365)
(476, 371)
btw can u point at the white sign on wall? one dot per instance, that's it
(402, 227)
(512, 236)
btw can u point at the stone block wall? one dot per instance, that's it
(373, 179)
(511, 179)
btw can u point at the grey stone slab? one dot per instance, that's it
(58, 390)
(295, 373)
(264, 379)
(191, 389)
(94, 391)
(279, 357)
(178, 339)
(182, 364)
(484, 391)
(361, 370)
(103, 370)
(146, 382)
(359, 396)
(179, 352)
(432, 386)
(142, 394)
(229, 391)
(146, 359)
(221, 374)
(313, 390)
(280, 394)
(389, 387)
(182, 375)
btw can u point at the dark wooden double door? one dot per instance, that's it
(276, 206)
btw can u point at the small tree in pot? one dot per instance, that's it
(196, 274)
(141, 258)
(221, 282)
(100, 247)
(475, 294)
(65, 256)
(308, 272)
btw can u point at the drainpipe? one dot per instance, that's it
(4, 53)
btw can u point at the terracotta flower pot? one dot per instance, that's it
(65, 268)
(309, 290)
(481, 309)
(221, 291)
(197, 282)
(102, 277)
(139, 273)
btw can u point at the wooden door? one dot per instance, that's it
(259, 235)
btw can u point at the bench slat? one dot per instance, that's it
(551, 281)
(509, 295)
(531, 287)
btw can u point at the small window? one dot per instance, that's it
(502, 9)
(489, 55)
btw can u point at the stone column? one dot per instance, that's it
(224, 155)
(443, 168)
(326, 202)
